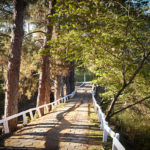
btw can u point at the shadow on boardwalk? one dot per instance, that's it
(55, 135)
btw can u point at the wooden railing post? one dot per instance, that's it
(117, 136)
(31, 115)
(6, 127)
(51, 106)
(24, 119)
(64, 99)
(99, 116)
(102, 121)
(47, 109)
(39, 112)
(105, 132)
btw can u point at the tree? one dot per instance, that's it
(44, 81)
(12, 85)
(70, 81)
(114, 37)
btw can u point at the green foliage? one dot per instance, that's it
(108, 38)
(36, 116)
(79, 76)
(28, 118)
(30, 68)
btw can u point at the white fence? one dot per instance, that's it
(105, 127)
(30, 111)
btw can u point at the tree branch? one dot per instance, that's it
(34, 32)
(112, 54)
(123, 72)
(5, 35)
(140, 101)
(126, 85)
(138, 69)
(139, 43)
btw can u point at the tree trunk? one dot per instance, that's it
(62, 86)
(70, 85)
(58, 87)
(113, 103)
(12, 84)
(44, 80)
(44, 83)
(84, 77)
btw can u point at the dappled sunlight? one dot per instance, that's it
(65, 127)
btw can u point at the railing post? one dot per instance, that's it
(102, 121)
(31, 115)
(99, 115)
(6, 127)
(47, 109)
(51, 106)
(39, 112)
(105, 132)
(64, 99)
(24, 119)
(94, 106)
(117, 136)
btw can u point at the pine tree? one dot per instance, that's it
(44, 81)
(12, 85)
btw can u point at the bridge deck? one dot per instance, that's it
(66, 128)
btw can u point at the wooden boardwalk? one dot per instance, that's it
(65, 128)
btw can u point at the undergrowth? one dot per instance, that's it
(135, 129)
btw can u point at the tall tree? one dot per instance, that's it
(114, 36)
(70, 85)
(12, 85)
(44, 80)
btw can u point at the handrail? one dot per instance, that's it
(105, 127)
(23, 113)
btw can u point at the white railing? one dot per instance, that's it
(30, 111)
(83, 82)
(116, 145)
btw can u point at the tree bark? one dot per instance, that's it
(12, 84)
(44, 80)
(62, 86)
(70, 85)
(58, 87)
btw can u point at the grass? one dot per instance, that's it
(134, 128)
